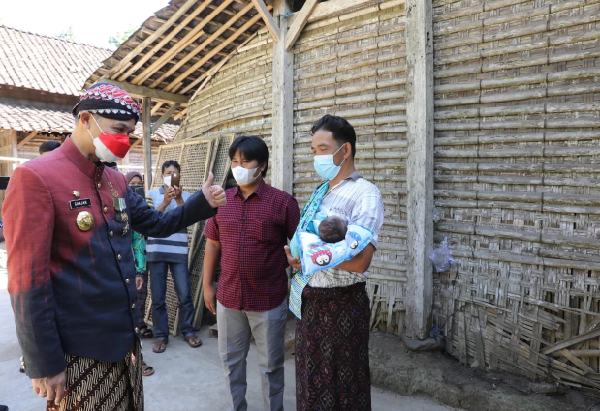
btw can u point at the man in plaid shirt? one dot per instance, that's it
(249, 235)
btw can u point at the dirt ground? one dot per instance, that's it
(443, 378)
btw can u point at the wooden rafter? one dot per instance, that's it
(147, 141)
(206, 76)
(163, 119)
(188, 39)
(27, 138)
(164, 41)
(264, 12)
(177, 83)
(141, 91)
(156, 108)
(299, 22)
(137, 143)
(202, 46)
(139, 49)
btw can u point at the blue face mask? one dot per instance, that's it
(325, 167)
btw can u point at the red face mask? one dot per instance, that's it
(110, 147)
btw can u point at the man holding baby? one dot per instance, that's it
(332, 335)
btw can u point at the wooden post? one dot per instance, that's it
(419, 166)
(282, 136)
(147, 143)
(14, 148)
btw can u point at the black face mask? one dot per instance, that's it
(139, 190)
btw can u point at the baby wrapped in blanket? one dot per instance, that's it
(327, 242)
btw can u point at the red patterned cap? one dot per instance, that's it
(108, 100)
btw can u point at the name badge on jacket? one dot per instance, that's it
(84, 202)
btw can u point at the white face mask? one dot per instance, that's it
(167, 180)
(244, 176)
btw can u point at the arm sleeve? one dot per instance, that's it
(292, 217)
(139, 252)
(153, 223)
(211, 229)
(29, 225)
(368, 213)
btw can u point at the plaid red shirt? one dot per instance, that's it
(252, 233)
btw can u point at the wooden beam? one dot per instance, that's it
(177, 82)
(299, 23)
(14, 148)
(282, 136)
(264, 12)
(141, 91)
(171, 52)
(334, 8)
(419, 167)
(136, 143)
(147, 141)
(181, 114)
(576, 361)
(197, 50)
(205, 78)
(212, 72)
(571, 341)
(27, 139)
(168, 55)
(139, 49)
(156, 108)
(146, 55)
(163, 119)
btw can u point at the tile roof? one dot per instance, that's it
(43, 118)
(45, 63)
(48, 118)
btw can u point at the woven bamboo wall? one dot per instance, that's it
(517, 184)
(354, 66)
(238, 99)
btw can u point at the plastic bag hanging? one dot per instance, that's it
(441, 257)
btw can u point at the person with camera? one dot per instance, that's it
(170, 254)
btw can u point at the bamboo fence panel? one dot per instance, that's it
(220, 167)
(237, 100)
(516, 185)
(196, 159)
(354, 66)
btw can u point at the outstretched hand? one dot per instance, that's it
(214, 194)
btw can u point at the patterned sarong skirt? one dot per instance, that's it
(94, 385)
(332, 350)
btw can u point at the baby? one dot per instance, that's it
(333, 229)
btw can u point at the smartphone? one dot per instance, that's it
(139, 190)
(175, 180)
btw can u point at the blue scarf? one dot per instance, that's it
(308, 214)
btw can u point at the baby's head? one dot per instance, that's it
(333, 229)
